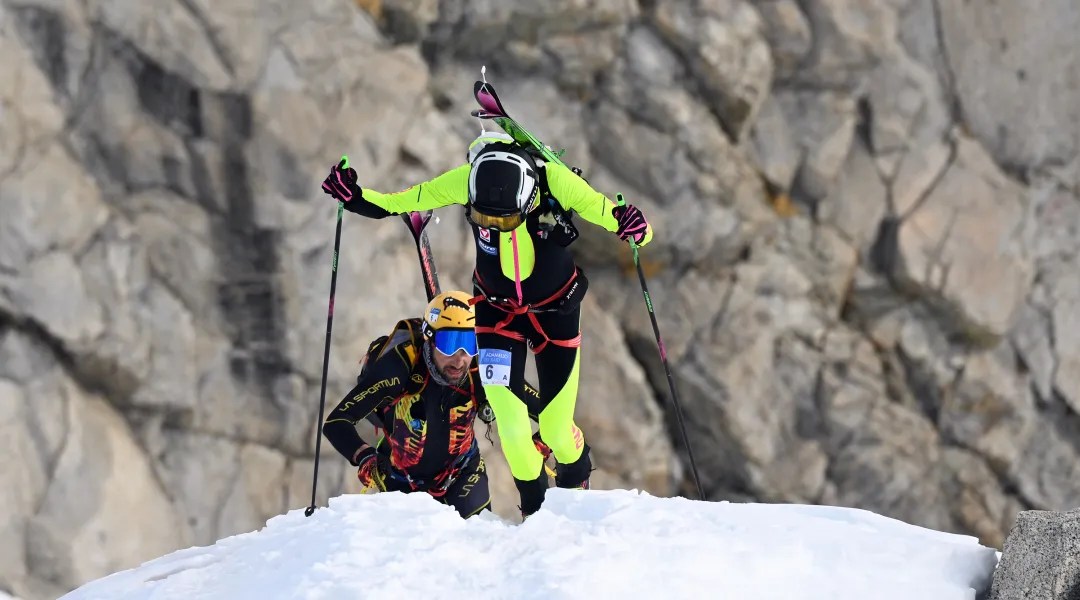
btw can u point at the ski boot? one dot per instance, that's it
(532, 493)
(575, 476)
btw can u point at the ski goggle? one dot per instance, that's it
(504, 223)
(449, 341)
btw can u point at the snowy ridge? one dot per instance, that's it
(593, 544)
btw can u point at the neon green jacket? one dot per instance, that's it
(506, 262)
(452, 187)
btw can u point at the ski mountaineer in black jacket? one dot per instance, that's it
(528, 287)
(419, 385)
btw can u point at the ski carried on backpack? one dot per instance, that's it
(417, 223)
(492, 108)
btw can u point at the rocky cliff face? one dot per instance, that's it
(865, 269)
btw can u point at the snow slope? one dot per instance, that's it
(592, 544)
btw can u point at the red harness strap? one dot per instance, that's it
(514, 309)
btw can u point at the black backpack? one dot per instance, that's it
(407, 340)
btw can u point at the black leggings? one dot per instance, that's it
(557, 368)
(469, 494)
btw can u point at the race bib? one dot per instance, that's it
(494, 366)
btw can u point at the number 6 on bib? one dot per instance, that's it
(494, 366)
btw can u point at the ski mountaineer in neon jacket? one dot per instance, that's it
(419, 386)
(528, 287)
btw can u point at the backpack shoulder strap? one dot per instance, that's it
(406, 339)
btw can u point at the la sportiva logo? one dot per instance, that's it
(381, 385)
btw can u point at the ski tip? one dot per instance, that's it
(345, 160)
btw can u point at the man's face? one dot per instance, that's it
(454, 367)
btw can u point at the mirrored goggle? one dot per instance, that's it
(497, 223)
(448, 342)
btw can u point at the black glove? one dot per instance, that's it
(632, 223)
(341, 184)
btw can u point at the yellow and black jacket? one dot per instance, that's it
(428, 427)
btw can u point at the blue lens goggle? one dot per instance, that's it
(448, 342)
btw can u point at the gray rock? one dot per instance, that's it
(722, 42)
(772, 146)
(789, 35)
(31, 227)
(979, 504)
(1065, 296)
(821, 254)
(482, 29)
(637, 425)
(824, 133)
(1031, 336)
(849, 37)
(1057, 216)
(25, 476)
(1016, 78)
(859, 200)
(574, 61)
(722, 381)
(966, 245)
(74, 316)
(408, 21)
(30, 117)
(102, 466)
(641, 155)
(647, 82)
(905, 112)
(1040, 558)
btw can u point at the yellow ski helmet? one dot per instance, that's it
(448, 323)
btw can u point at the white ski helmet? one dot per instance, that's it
(486, 138)
(503, 183)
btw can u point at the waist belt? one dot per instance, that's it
(438, 485)
(569, 295)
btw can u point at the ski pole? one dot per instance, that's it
(326, 354)
(663, 358)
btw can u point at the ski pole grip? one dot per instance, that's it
(346, 160)
(622, 202)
